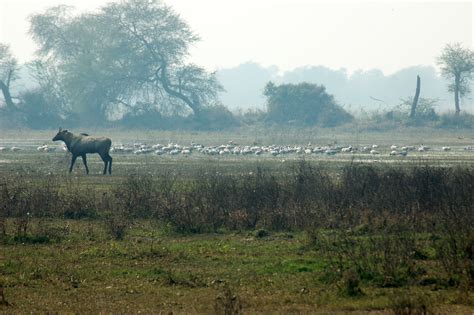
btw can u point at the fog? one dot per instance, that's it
(354, 35)
(361, 90)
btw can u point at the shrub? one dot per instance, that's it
(216, 117)
(305, 103)
(451, 120)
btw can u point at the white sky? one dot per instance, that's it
(291, 33)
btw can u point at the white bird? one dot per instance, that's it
(347, 149)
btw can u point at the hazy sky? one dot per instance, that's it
(354, 35)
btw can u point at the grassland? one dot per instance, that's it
(52, 263)
(89, 272)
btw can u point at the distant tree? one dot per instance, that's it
(38, 112)
(28, 108)
(127, 53)
(457, 63)
(303, 103)
(8, 66)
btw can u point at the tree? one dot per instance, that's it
(8, 66)
(127, 53)
(304, 103)
(457, 63)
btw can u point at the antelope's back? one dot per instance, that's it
(91, 144)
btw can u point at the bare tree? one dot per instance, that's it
(457, 63)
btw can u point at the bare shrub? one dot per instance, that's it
(136, 196)
(350, 284)
(410, 302)
(45, 196)
(117, 224)
(228, 302)
(77, 202)
(259, 194)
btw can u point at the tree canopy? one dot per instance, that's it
(127, 53)
(304, 103)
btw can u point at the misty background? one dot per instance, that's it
(361, 90)
(358, 91)
(365, 55)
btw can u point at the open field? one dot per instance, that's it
(227, 234)
(30, 160)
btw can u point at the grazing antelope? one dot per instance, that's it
(80, 145)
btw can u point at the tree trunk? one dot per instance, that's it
(7, 96)
(457, 82)
(415, 99)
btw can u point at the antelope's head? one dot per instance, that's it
(60, 135)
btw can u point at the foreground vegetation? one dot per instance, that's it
(152, 272)
(300, 237)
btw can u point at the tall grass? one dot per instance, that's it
(301, 196)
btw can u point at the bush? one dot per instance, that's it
(216, 117)
(39, 112)
(117, 223)
(305, 104)
(451, 120)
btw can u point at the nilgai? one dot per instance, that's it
(80, 145)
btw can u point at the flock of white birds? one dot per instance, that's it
(234, 149)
